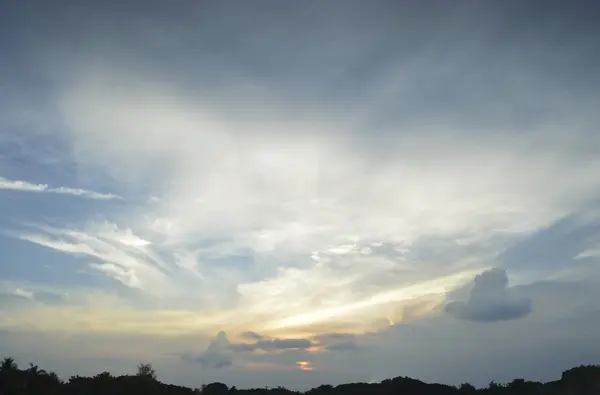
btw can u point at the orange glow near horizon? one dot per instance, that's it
(304, 365)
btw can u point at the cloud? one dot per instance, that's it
(321, 238)
(314, 206)
(338, 341)
(342, 346)
(119, 253)
(221, 353)
(217, 355)
(252, 335)
(490, 300)
(15, 299)
(319, 174)
(12, 296)
(275, 344)
(565, 322)
(24, 186)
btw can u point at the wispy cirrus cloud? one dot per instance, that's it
(286, 304)
(25, 186)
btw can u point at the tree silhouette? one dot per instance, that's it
(215, 389)
(8, 365)
(582, 380)
(146, 370)
(467, 388)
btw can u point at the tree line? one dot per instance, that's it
(581, 380)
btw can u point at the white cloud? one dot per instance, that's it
(296, 206)
(25, 294)
(290, 185)
(24, 186)
(120, 254)
(293, 301)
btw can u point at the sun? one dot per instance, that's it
(304, 365)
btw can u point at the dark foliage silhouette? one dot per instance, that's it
(582, 380)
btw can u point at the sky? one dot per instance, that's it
(296, 193)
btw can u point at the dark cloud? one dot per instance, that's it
(338, 341)
(273, 344)
(342, 346)
(220, 352)
(217, 355)
(490, 300)
(284, 344)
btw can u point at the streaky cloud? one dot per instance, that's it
(25, 186)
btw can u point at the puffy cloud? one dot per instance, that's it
(490, 300)
(217, 355)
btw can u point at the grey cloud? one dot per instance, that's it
(555, 246)
(217, 355)
(342, 346)
(433, 348)
(335, 337)
(220, 352)
(338, 341)
(243, 347)
(252, 335)
(214, 360)
(273, 344)
(564, 326)
(490, 300)
(284, 344)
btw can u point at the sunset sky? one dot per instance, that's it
(300, 192)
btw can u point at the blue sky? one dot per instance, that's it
(329, 191)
